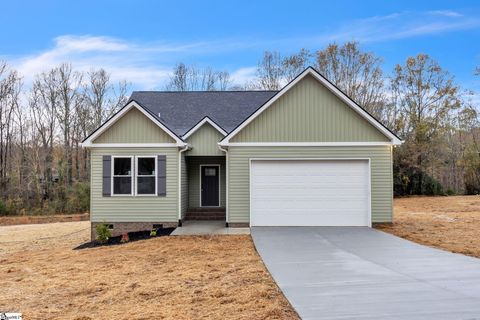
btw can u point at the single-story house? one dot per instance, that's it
(306, 155)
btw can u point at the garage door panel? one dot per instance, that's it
(322, 207)
(312, 192)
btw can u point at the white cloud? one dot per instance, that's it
(243, 75)
(447, 13)
(401, 25)
(147, 64)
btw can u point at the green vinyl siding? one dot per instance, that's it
(134, 127)
(194, 179)
(131, 208)
(184, 185)
(239, 175)
(204, 142)
(309, 112)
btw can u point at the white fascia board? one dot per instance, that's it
(200, 124)
(132, 145)
(305, 144)
(132, 104)
(332, 88)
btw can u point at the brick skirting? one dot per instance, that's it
(238, 225)
(124, 227)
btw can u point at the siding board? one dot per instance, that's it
(239, 175)
(130, 208)
(134, 127)
(184, 182)
(204, 142)
(309, 112)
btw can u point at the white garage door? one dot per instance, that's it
(309, 193)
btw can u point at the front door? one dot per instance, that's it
(210, 186)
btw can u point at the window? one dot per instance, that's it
(122, 176)
(146, 177)
(210, 172)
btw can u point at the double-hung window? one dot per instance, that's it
(146, 177)
(122, 183)
(134, 175)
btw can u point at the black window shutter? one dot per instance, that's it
(107, 176)
(161, 175)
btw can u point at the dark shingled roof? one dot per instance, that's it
(180, 111)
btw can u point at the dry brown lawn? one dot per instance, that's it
(449, 223)
(28, 219)
(210, 277)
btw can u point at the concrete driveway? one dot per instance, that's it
(362, 273)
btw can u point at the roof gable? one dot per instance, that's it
(309, 112)
(134, 127)
(200, 124)
(204, 141)
(392, 138)
(125, 126)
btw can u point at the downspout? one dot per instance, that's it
(185, 148)
(226, 182)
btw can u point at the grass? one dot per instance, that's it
(449, 223)
(35, 219)
(209, 277)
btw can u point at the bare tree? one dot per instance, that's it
(356, 73)
(191, 78)
(270, 72)
(426, 98)
(10, 85)
(294, 64)
(44, 98)
(69, 98)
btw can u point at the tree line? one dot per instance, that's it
(418, 100)
(44, 170)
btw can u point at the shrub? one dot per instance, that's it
(3, 208)
(153, 233)
(412, 181)
(103, 233)
(78, 198)
(450, 192)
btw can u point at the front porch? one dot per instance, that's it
(204, 189)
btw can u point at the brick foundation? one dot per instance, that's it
(124, 227)
(238, 225)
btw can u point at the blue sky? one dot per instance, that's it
(140, 41)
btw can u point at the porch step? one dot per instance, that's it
(205, 214)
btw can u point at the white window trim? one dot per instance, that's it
(132, 175)
(155, 176)
(219, 186)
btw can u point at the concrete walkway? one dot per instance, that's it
(194, 227)
(362, 273)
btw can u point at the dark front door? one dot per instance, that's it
(210, 186)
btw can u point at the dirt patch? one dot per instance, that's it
(449, 223)
(180, 277)
(14, 220)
